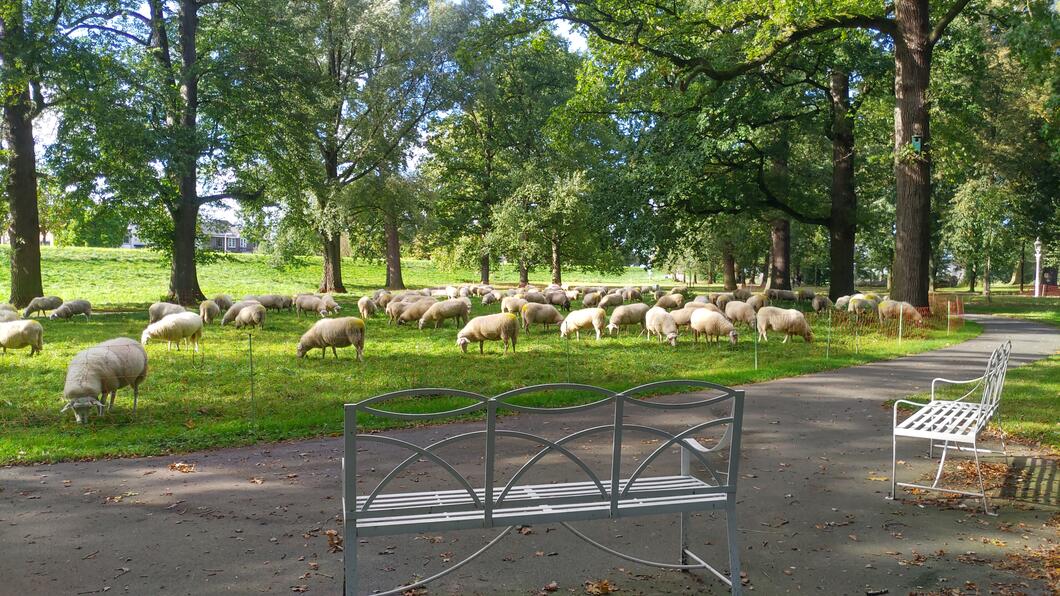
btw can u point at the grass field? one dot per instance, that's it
(189, 403)
(114, 278)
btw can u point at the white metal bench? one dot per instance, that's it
(509, 504)
(954, 423)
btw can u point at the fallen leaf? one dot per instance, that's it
(182, 467)
(603, 586)
(256, 480)
(879, 478)
(551, 587)
(334, 541)
(524, 530)
(299, 589)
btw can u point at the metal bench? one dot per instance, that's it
(506, 504)
(954, 423)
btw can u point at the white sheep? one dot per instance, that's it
(366, 307)
(559, 298)
(5, 306)
(394, 310)
(670, 301)
(341, 332)
(627, 314)
(512, 304)
(382, 300)
(42, 304)
(177, 327)
(415, 310)
(891, 309)
(659, 323)
(102, 370)
(223, 301)
(740, 311)
(271, 301)
(820, 303)
(583, 319)
(252, 315)
(307, 303)
(788, 321)
(545, 314)
(454, 308)
(234, 310)
(861, 305)
(757, 301)
(7, 316)
(702, 299)
(491, 298)
(682, 316)
(610, 300)
(208, 311)
(712, 325)
(722, 299)
(72, 308)
(591, 299)
(535, 297)
(842, 302)
(22, 334)
(788, 295)
(156, 311)
(742, 294)
(804, 294)
(503, 327)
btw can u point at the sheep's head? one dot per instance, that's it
(301, 350)
(672, 338)
(462, 342)
(733, 337)
(612, 328)
(145, 337)
(563, 330)
(808, 336)
(54, 315)
(81, 403)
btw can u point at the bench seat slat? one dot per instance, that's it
(943, 420)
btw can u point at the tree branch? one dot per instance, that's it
(237, 194)
(940, 27)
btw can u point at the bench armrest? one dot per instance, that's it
(691, 443)
(935, 381)
(894, 409)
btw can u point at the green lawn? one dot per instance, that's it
(1042, 310)
(189, 404)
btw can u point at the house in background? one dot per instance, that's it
(220, 236)
(48, 239)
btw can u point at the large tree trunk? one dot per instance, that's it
(728, 267)
(842, 221)
(912, 170)
(393, 253)
(557, 266)
(484, 268)
(183, 280)
(21, 189)
(524, 273)
(779, 273)
(332, 279)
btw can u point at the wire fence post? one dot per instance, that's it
(250, 354)
(948, 316)
(857, 323)
(755, 333)
(901, 318)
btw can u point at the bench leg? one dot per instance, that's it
(894, 464)
(982, 486)
(734, 546)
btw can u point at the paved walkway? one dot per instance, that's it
(253, 519)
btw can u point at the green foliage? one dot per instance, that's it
(979, 225)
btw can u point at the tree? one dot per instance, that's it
(725, 41)
(980, 227)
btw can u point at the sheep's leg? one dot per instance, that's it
(334, 352)
(481, 349)
(136, 396)
(323, 352)
(786, 338)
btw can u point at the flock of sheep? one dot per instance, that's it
(99, 371)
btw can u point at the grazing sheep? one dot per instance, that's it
(366, 307)
(820, 303)
(781, 295)
(512, 304)
(627, 314)
(631, 295)
(702, 299)
(659, 294)
(804, 294)
(5, 306)
(610, 300)
(102, 370)
(208, 311)
(22, 334)
(252, 315)
(342, 332)
(712, 325)
(757, 301)
(545, 314)
(71, 308)
(454, 308)
(694, 304)
(483, 290)
(861, 306)
(535, 297)
(842, 302)
(415, 310)
(583, 319)
(157, 311)
(670, 301)
(223, 301)
(679, 290)
(7, 316)
(175, 328)
(303, 304)
(710, 307)
(503, 327)
(383, 299)
(233, 311)
(559, 298)
(394, 310)
(271, 301)
(329, 303)
(491, 298)
(724, 299)
(742, 294)
(658, 322)
(42, 304)
(891, 309)
(591, 299)
(740, 311)
(682, 316)
(787, 321)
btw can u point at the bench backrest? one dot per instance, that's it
(994, 378)
(617, 404)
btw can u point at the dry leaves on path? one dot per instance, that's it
(182, 467)
(334, 541)
(603, 586)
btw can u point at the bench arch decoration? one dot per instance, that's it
(505, 506)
